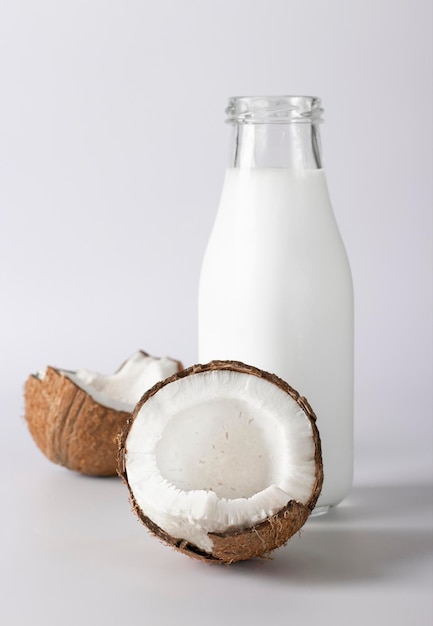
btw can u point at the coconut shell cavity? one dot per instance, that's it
(222, 461)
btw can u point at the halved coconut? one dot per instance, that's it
(222, 461)
(76, 417)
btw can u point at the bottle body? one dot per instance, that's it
(276, 292)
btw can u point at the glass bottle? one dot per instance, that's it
(275, 287)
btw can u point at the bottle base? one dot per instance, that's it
(320, 510)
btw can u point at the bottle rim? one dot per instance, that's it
(274, 110)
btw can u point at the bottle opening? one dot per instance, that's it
(274, 110)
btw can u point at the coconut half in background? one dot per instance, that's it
(222, 461)
(75, 417)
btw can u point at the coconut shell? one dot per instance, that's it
(70, 427)
(247, 543)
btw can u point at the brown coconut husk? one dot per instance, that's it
(240, 544)
(70, 427)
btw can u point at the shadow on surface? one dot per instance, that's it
(380, 532)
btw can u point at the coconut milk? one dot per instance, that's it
(276, 293)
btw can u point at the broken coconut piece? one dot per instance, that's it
(76, 417)
(222, 461)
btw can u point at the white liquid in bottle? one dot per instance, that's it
(276, 293)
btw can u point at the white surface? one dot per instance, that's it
(73, 553)
(112, 157)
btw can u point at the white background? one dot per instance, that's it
(112, 154)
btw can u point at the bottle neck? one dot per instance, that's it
(291, 146)
(275, 131)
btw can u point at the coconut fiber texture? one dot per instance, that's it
(71, 428)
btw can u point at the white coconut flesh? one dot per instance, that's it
(121, 391)
(225, 455)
